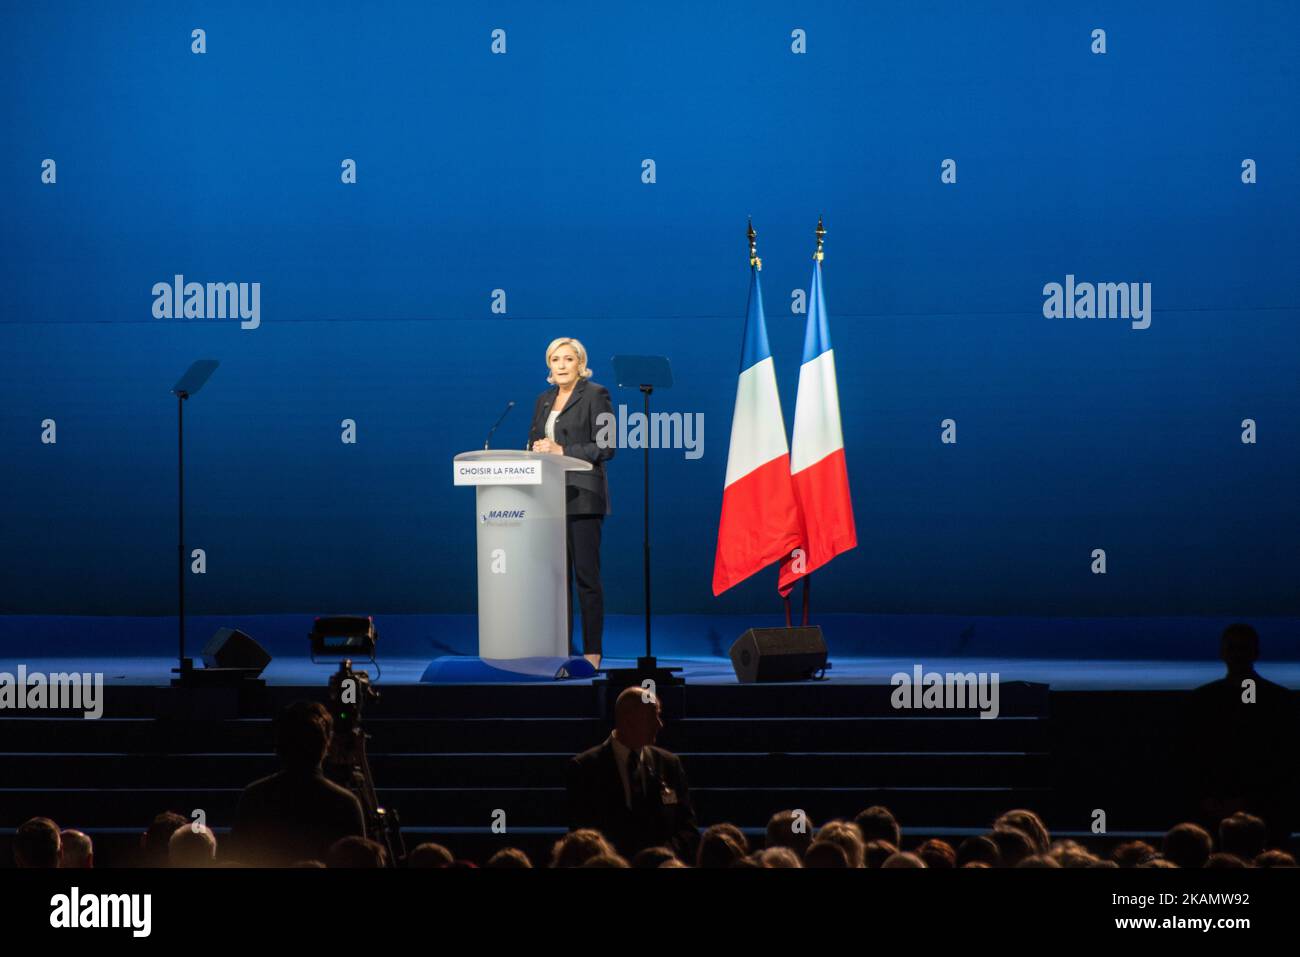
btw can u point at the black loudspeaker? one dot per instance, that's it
(779, 654)
(231, 648)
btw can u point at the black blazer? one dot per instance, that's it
(575, 432)
(293, 816)
(595, 791)
(1241, 755)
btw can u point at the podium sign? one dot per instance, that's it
(511, 471)
(523, 606)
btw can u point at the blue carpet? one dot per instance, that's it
(455, 670)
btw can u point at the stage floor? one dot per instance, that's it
(1060, 674)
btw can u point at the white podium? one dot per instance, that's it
(523, 606)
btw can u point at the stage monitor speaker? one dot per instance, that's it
(231, 648)
(779, 654)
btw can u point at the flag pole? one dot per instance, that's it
(818, 255)
(757, 264)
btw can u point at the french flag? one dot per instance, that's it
(817, 466)
(760, 520)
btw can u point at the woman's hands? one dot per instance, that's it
(546, 445)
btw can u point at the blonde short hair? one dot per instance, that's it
(583, 371)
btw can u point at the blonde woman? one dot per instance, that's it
(566, 421)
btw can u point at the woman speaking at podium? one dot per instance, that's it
(566, 421)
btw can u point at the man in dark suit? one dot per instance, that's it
(1239, 748)
(297, 814)
(631, 791)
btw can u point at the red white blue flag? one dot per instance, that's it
(760, 521)
(817, 465)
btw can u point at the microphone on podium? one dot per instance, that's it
(488, 441)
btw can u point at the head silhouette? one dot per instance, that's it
(1239, 648)
(302, 735)
(638, 717)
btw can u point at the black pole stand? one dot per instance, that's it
(190, 383)
(785, 600)
(645, 535)
(185, 665)
(647, 667)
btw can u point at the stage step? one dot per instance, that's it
(875, 733)
(505, 769)
(546, 700)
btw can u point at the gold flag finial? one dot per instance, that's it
(754, 261)
(821, 237)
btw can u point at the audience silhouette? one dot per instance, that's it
(297, 813)
(630, 806)
(1240, 749)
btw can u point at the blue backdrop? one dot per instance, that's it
(523, 172)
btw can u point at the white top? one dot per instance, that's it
(550, 425)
